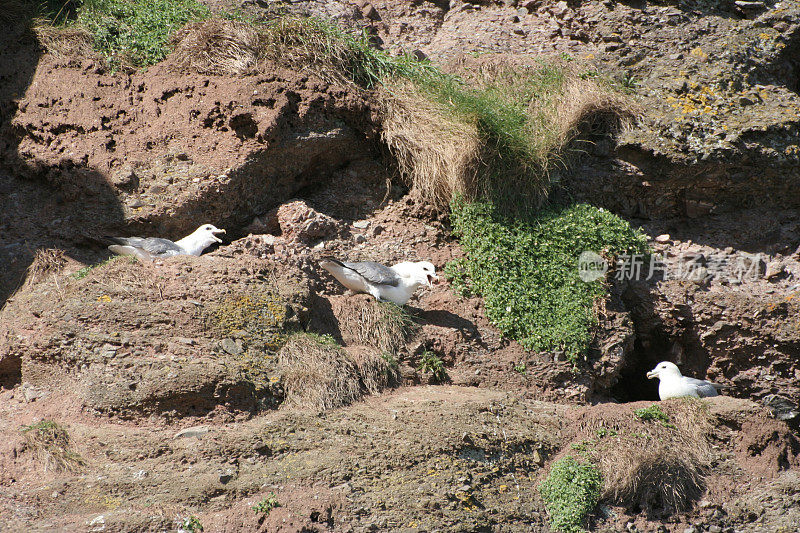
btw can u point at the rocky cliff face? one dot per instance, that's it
(171, 391)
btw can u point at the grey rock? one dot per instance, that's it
(231, 346)
(782, 408)
(195, 431)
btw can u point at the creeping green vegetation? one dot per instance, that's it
(603, 432)
(136, 32)
(191, 524)
(266, 505)
(51, 443)
(526, 269)
(432, 364)
(85, 271)
(653, 413)
(570, 492)
(521, 368)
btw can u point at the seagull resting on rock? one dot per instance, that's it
(394, 284)
(674, 385)
(150, 248)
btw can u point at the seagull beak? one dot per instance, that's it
(652, 374)
(217, 231)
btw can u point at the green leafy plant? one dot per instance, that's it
(521, 368)
(526, 269)
(136, 32)
(191, 524)
(266, 505)
(570, 492)
(432, 364)
(653, 413)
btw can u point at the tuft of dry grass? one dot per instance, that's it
(50, 443)
(379, 325)
(436, 154)
(46, 261)
(217, 46)
(377, 371)
(651, 464)
(64, 41)
(318, 374)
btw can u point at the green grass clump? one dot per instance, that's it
(570, 492)
(526, 269)
(137, 32)
(653, 413)
(191, 524)
(432, 364)
(266, 505)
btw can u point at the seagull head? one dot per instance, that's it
(664, 369)
(420, 273)
(208, 233)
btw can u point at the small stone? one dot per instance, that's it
(135, 203)
(184, 340)
(361, 224)
(226, 477)
(663, 239)
(125, 178)
(360, 239)
(690, 529)
(774, 269)
(714, 529)
(377, 230)
(371, 13)
(157, 189)
(231, 346)
(195, 431)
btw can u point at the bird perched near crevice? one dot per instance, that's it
(149, 248)
(674, 385)
(393, 284)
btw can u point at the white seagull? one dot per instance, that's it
(150, 248)
(674, 385)
(394, 284)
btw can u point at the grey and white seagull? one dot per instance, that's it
(150, 248)
(674, 385)
(394, 284)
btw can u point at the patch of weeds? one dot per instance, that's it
(190, 524)
(85, 271)
(136, 32)
(266, 505)
(432, 364)
(603, 432)
(570, 492)
(629, 82)
(654, 413)
(526, 269)
(588, 74)
(456, 273)
(521, 368)
(391, 362)
(584, 446)
(566, 57)
(51, 443)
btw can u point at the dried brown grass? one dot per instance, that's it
(46, 261)
(381, 326)
(375, 370)
(51, 445)
(317, 375)
(217, 46)
(584, 106)
(70, 41)
(649, 465)
(436, 154)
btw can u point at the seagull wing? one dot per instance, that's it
(704, 388)
(153, 245)
(375, 273)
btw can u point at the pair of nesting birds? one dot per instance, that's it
(394, 284)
